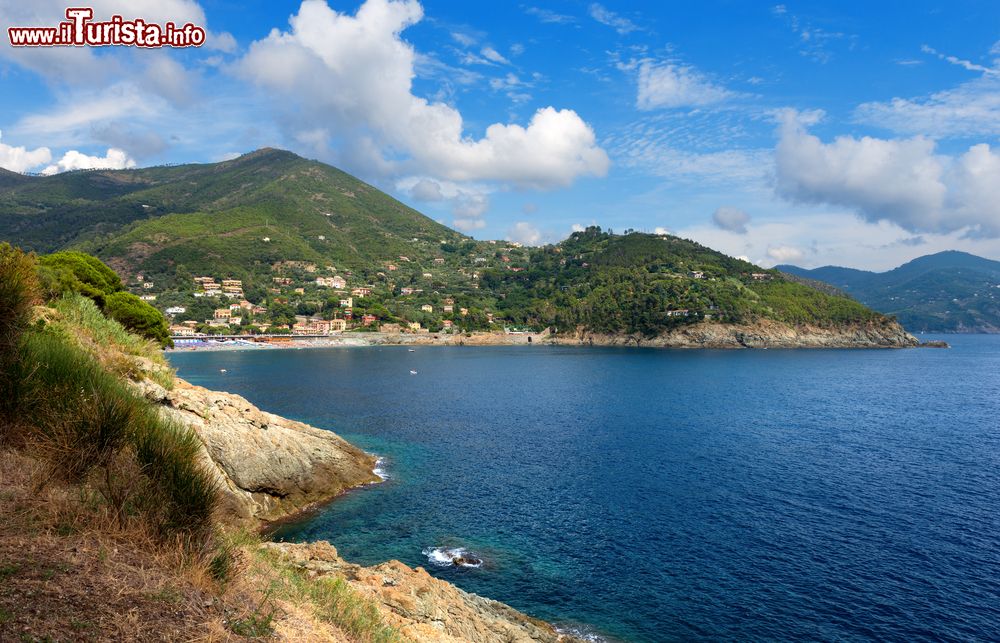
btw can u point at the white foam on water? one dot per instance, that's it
(445, 556)
(379, 469)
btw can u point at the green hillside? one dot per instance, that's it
(287, 230)
(944, 292)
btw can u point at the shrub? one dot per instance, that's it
(84, 419)
(135, 314)
(61, 272)
(18, 293)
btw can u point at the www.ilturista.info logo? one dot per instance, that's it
(79, 31)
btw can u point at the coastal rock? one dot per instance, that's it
(883, 333)
(423, 608)
(267, 467)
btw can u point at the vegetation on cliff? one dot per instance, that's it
(108, 519)
(649, 284)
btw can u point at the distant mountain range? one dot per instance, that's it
(947, 292)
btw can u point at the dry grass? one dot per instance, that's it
(72, 570)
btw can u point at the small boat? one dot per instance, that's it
(410, 350)
(222, 370)
(413, 372)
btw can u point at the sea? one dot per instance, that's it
(633, 494)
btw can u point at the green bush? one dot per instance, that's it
(135, 314)
(62, 272)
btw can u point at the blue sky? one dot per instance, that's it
(860, 134)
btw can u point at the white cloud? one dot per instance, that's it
(970, 109)
(731, 219)
(660, 230)
(83, 110)
(73, 160)
(576, 227)
(670, 85)
(21, 159)
(221, 41)
(427, 190)
(353, 76)
(491, 54)
(469, 206)
(619, 23)
(524, 232)
(784, 254)
(463, 39)
(549, 16)
(965, 64)
(468, 225)
(899, 180)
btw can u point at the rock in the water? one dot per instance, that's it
(267, 467)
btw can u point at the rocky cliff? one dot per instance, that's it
(761, 334)
(267, 467)
(421, 607)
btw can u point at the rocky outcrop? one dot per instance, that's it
(882, 333)
(421, 607)
(267, 467)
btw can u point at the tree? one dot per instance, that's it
(135, 314)
(75, 271)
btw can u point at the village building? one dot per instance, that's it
(361, 292)
(414, 325)
(148, 298)
(347, 303)
(176, 310)
(147, 285)
(182, 331)
(761, 276)
(222, 313)
(338, 325)
(427, 308)
(448, 324)
(367, 320)
(463, 311)
(389, 328)
(449, 309)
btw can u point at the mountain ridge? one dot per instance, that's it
(948, 291)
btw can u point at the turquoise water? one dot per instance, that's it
(652, 495)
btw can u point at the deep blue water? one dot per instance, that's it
(670, 495)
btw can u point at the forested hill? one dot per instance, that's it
(304, 239)
(643, 283)
(213, 215)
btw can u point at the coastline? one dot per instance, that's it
(709, 335)
(271, 470)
